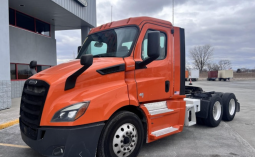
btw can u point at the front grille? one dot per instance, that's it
(28, 131)
(32, 103)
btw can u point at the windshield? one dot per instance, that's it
(111, 43)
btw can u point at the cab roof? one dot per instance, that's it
(139, 21)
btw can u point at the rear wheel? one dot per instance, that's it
(122, 136)
(215, 112)
(229, 106)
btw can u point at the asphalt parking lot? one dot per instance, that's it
(235, 138)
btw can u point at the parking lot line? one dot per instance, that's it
(8, 124)
(13, 145)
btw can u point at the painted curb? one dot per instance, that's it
(8, 124)
(13, 145)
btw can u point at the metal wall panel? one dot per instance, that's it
(26, 46)
(87, 14)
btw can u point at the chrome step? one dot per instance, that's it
(155, 112)
(157, 108)
(164, 131)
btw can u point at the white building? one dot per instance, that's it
(28, 33)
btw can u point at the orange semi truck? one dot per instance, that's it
(126, 88)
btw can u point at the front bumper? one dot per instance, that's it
(79, 141)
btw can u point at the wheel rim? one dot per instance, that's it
(125, 140)
(216, 110)
(232, 107)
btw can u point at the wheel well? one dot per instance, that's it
(136, 110)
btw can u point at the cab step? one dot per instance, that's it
(160, 111)
(159, 133)
(157, 108)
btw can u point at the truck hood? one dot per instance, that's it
(61, 72)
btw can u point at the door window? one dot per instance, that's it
(162, 46)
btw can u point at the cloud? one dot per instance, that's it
(228, 26)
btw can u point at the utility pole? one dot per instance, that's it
(173, 12)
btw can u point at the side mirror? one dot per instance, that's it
(87, 60)
(79, 48)
(32, 66)
(153, 48)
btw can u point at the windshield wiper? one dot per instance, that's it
(105, 55)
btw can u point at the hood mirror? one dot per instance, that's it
(87, 60)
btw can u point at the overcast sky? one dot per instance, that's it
(227, 25)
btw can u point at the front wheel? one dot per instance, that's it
(122, 136)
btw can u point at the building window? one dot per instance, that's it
(12, 17)
(27, 22)
(24, 21)
(42, 28)
(13, 72)
(22, 71)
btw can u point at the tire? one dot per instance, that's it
(225, 79)
(116, 138)
(229, 106)
(219, 79)
(215, 112)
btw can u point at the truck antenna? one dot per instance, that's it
(173, 12)
(111, 13)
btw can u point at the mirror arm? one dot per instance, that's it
(141, 65)
(86, 61)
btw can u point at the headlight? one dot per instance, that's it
(70, 113)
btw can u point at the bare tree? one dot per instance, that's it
(213, 67)
(224, 65)
(201, 56)
(187, 65)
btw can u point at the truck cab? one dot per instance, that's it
(125, 88)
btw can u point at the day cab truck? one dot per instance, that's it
(126, 88)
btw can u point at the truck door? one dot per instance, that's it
(154, 83)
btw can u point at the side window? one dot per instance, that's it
(162, 46)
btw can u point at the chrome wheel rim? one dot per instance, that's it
(216, 110)
(125, 140)
(232, 107)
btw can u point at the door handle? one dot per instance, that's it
(167, 85)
